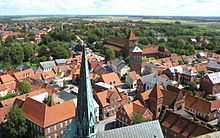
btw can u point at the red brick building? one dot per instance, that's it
(151, 50)
(47, 121)
(159, 99)
(205, 110)
(109, 101)
(176, 126)
(121, 46)
(125, 113)
(136, 60)
(210, 83)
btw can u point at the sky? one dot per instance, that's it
(111, 7)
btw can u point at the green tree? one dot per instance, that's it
(192, 86)
(60, 52)
(47, 99)
(180, 62)
(109, 54)
(201, 73)
(15, 127)
(46, 39)
(28, 52)
(17, 54)
(138, 118)
(24, 87)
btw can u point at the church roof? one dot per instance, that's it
(156, 92)
(149, 129)
(132, 36)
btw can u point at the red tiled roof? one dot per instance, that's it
(9, 86)
(200, 67)
(137, 108)
(132, 36)
(156, 92)
(134, 75)
(3, 112)
(48, 75)
(6, 78)
(10, 101)
(102, 96)
(109, 78)
(195, 103)
(183, 126)
(23, 74)
(45, 116)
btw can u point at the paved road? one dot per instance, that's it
(106, 124)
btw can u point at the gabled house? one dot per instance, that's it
(203, 109)
(23, 74)
(177, 126)
(118, 66)
(210, 83)
(62, 70)
(125, 113)
(5, 79)
(47, 66)
(109, 101)
(159, 99)
(181, 73)
(131, 79)
(48, 121)
(111, 79)
(48, 76)
(147, 82)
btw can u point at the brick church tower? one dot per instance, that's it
(155, 101)
(136, 57)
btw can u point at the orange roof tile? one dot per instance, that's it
(48, 75)
(102, 96)
(134, 75)
(6, 78)
(132, 36)
(45, 116)
(10, 101)
(3, 112)
(23, 74)
(156, 92)
(111, 79)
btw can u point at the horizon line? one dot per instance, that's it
(109, 15)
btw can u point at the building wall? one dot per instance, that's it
(207, 86)
(53, 131)
(122, 119)
(136, 61)
(3, 92)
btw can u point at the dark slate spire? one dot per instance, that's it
(83, 125)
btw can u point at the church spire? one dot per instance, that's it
(83, 125)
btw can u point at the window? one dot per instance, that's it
(61, 124)
(55, 127)
(48, 130)
(70, 120)
(55, 135)
(65, 122)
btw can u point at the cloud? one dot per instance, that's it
(116, 7)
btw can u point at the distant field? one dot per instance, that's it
(28, 18)
(209, 24)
